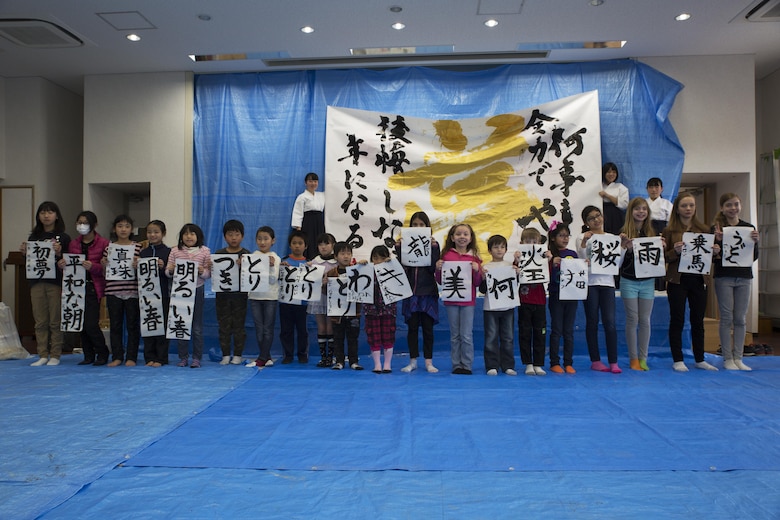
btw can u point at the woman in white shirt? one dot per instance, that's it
(614, 196)
(309, 214)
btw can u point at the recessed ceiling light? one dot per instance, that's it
(682, 17)
(133, 37)
(398, 26)
(307, 29)
(396, 9)
(596, 3)
(204, 17)
(491, 23)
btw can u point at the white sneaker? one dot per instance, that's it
(225, 360)
(730, 365)
(53, 362)
(510, 372)
(269, 363)
(252, 364)
(529, 370)
(40, 362)
(739, 363)
(411, 366)
(237, 360)
(539, 371)
(492, 372)
(703, 365)
(679, 366)
(432, 369)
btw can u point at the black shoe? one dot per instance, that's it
(459, 370)
(100, 362)
(303, 359)
(750, 350)
(85, 362)
(386, 371)
(287, 361)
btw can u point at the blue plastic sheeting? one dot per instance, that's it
(303, 418)
(65, 426)
(257, 135)
(130, 493)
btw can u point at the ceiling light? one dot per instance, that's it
(396, 9)
(596, 3)
(398, 26)
(491, 23)
(307, 29)
(133, 37)
(682, 17)
(204, 17)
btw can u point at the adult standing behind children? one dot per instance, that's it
(309, 213)
(614, 197)
(732, 285)
(231, 306)
(90, 244)
(46, 294)
(682, 287)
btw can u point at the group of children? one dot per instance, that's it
(644, 217)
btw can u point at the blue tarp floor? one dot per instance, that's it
(294, 441)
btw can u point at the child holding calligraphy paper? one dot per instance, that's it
(638, 294)
(345, 328)
(264, 302)
(461, 247)
(682, 287)
(156, 347)
(732, 277)
(191, 247)
(532, 315)
(499, 278)
(122, 292)
(421, 311)
(319, 309)
(380, 320)
(601, 294)
(231, 305)
(46, 293)
(292, 315)
(562, 312)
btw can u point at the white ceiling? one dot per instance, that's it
(266, 26)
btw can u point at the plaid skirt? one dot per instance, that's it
(380, 331)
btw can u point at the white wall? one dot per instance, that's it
(138, 128)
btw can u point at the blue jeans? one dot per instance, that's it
(264, 314)
(196, 336)
(461, 320)
(733, 298)
(499, 340)
(601, 298)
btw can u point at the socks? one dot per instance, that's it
(376, 356)
(614, 368)
(598, 366)
(679, 366)
(643, 364)
(634, 364)
(703, 365)
(412, 365)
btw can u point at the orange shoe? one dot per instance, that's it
(557, 369)
(635, 365)
(570, 370)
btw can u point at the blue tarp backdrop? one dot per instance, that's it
(258, 134)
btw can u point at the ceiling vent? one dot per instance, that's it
(764, 11)
(38, 34)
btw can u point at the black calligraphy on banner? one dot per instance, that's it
(574, 279)
(74, 290)
(40, 261)
(182, 307)
(150, 297)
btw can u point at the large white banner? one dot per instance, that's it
(500, 174)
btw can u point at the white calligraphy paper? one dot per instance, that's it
(150, 297)
(74, 290)
(309, 286)
(502, 288)
(338, 298)
(574, 279)
(225, 273)
(361, 283)
(392, 281)
(256, 273)
(456, 281)
(648, 257)
(185, 283)
(696, 257)
(288, 279)
(40, 260)
(738, 247)
(416, 246)
(533, 264)
(120, 262)
(604, 252)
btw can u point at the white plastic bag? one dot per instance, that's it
(10, 345)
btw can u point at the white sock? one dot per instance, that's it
(225, 360)
(411, 366)
(53, 362)
(739, 363)
(529, 370)
(703, 365)
(730, 365)
(679, 366)
(539, 371)
(41, 361)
